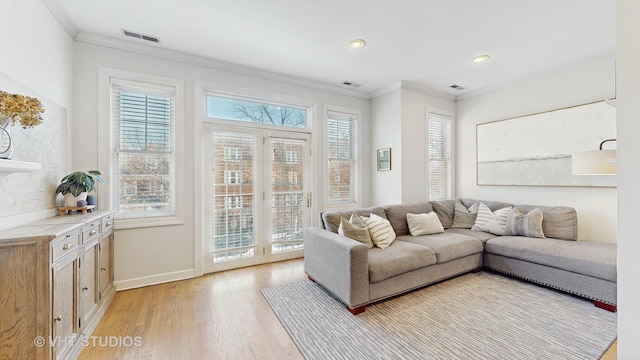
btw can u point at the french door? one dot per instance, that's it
(258, 196)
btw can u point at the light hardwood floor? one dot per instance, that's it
(217, 316)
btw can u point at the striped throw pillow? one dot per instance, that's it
(519, 224)
(491, 222)
(380, 230)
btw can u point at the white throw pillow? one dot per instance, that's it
(424, 224)
(491, 222)
(380, 230)
(355, 229)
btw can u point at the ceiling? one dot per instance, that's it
(427, 43)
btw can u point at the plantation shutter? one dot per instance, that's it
(342, 157)
(439, 148)
(143, 166)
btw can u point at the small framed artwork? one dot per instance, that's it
(384, 159)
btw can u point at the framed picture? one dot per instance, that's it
(384, 159)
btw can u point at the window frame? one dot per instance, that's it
(107, 146)
(358, 162)
(449, 117)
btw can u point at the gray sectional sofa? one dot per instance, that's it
(359, 276)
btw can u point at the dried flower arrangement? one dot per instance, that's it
(19, 108)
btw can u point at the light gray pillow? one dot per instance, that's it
(424, 224)
(519, 224)
(489, 221)
(355, 229)
(464, 218)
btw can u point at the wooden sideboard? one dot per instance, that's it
(56, 282)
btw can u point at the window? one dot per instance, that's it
(234, 153)
(439, 148)
(233, 177)
(256, 112)
(143, 163)
(342, 157)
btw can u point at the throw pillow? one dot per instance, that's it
(355, 229)
(491, 222)
(424, 224)
(464, 218)
(380, 230)
(519, 224)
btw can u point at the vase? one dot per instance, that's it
(6, 143)
(72, 201)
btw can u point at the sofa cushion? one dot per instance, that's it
(331, 219)
(480, 235)
(355, 229)
(380, 230)
(397, 215)
(444, 210)
(493, 205)
(464, 217)
(447, 246)
(491, 221)
(424, 224)
(399, 258)
(583, 257)
(559, 222)
(519, 224)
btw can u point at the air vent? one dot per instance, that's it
(351, 84)
(140, 36)
(457, 87)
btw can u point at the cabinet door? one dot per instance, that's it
(89, 283)
(65, 304)
(106, 264)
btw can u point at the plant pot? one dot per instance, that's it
(72, 201)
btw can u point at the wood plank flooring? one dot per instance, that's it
(217, 316)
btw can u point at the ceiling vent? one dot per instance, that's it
(457, 87)
(140, 36)
(351, 84)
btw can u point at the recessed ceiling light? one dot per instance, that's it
(480, 58)
(356, 44)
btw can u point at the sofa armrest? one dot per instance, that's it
(339, 264)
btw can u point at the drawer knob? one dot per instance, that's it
(108, 223)
(67, 246)
(103, 269)
(58, 318)
(85, 288)
(92, 232)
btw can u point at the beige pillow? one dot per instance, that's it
(464, 218)
(519, 224)
(355, 229)
(380, 230)
(491, 222)
(424, 224)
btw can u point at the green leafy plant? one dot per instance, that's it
(79, 181)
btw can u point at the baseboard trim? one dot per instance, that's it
(154, 279)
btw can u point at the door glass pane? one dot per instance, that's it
(233, 202)
(288, 201)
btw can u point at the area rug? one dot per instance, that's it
(474, 316)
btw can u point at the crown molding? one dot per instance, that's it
(601, 55)
(62, 16)
(408, 85)
(153, 50)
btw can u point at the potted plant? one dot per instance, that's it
(75, 186)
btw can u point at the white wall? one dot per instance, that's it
(578, 84)
(628, 95)
(150, 255)
(399, 121)
(36, 60)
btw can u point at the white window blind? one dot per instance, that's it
(143, 162)
(439, 148)
(342, 157)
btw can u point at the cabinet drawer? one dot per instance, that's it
(90, 231)
(107, 224)
(65, 244)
